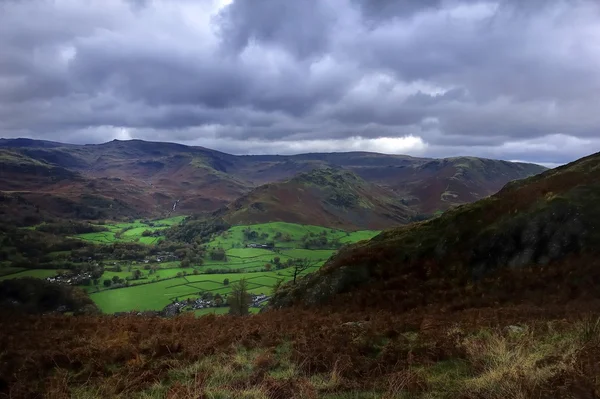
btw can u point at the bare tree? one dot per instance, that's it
(301, 265)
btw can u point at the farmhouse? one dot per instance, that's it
(264, 246)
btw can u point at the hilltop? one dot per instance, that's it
(152, 179)
(329, 197)
(536, 240)
(439, 184)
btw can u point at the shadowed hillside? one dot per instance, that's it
(326, 197)
(536, 240)
(442, 183)
(151, 179)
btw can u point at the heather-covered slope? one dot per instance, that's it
(324, 197)
(537, 240)
(439, 184)
(151, 177)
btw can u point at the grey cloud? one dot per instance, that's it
(468, 77)
(301, 27)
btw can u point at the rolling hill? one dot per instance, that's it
(334, 197)
(535, 241)
(150, 179)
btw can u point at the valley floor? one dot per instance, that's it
(510, 352)
(153, 282)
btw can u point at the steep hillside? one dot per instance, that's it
(21, 172)
(152, 177)
(325, 197)
(436, 185)
(536, 240)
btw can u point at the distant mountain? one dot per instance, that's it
(439, 184)
(148, 178)
(537, 240)
(327, 197)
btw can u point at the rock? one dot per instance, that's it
(515, 329)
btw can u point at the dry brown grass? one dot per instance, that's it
(297, 354)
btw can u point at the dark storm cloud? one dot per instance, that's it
(301, 27)
(510, 79)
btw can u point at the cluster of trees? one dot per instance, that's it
(319, 241)
(196, 230)
(283, 237)
(30, 248)
(253, 235)
(70, 228)
(191, 255)
(218, 254)
(32, 295)
(150, 233)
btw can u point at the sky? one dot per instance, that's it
(512, 79)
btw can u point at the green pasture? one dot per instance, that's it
(37, 273)
(155, 291)
(130, 232)
(234, 238)
(156, 295)
(153, 296)
(7, 269)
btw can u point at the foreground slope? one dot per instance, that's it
(537, 239)
(325, 197)
(152, 178)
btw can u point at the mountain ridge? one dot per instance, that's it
(152, 176)
(336, 197)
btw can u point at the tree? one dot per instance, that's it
(196, 272)
(115, 279)
(107, 283)
(277, 260)
(218, 254)
(226, 281)
(185, 263)
(268, 267)
(218, 300)
(96, 282)
(137, 274)
(276, 286)
(301, 265)
(239, 300)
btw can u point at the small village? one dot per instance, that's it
(71, 278)
(177, 307)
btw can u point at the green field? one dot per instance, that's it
(130, 232)
(6, 270)
(153, 291)
(235, 235)
(156, 295)
(37, 273)
(153, 296)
